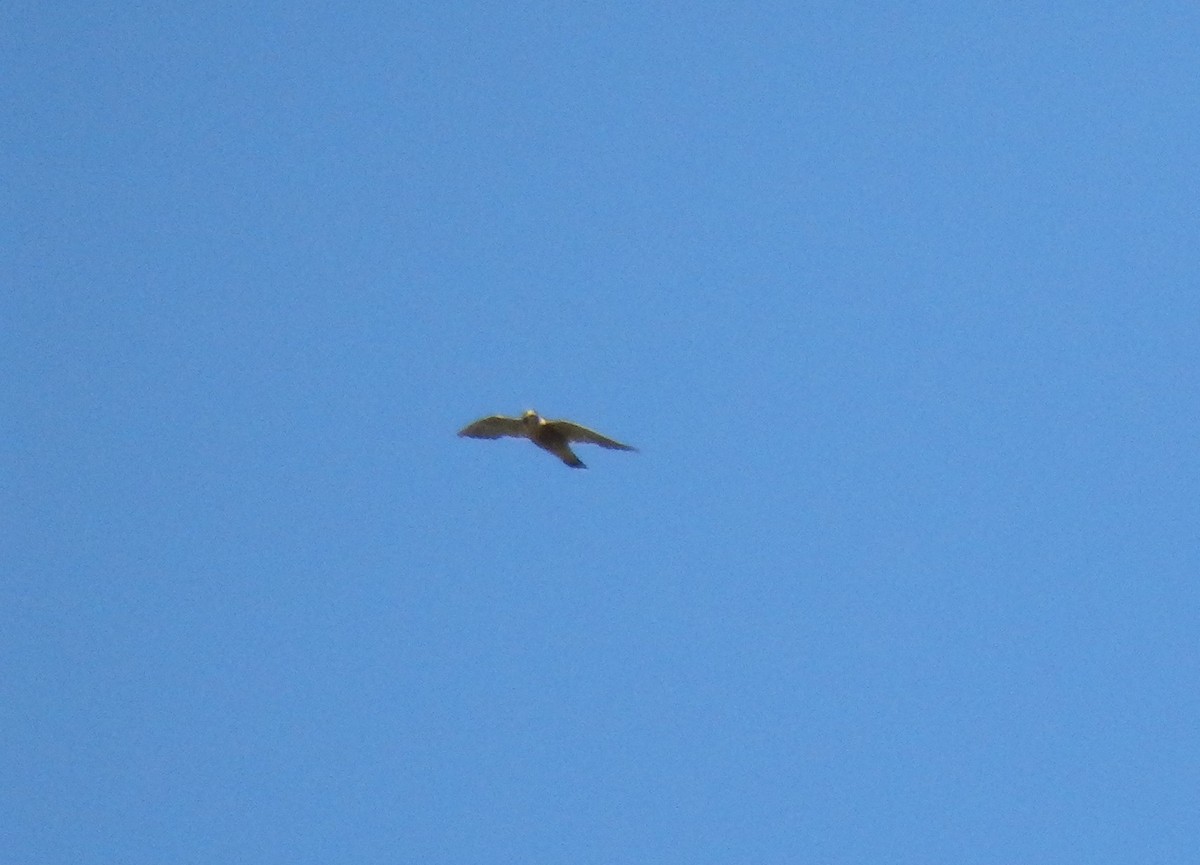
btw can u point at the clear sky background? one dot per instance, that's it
(900, 302)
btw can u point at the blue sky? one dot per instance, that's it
(898, 301)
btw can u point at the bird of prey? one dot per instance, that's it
(554, 436)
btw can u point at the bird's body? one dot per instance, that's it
(554, 436)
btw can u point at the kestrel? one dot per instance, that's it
(550, 435)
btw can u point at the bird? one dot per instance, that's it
(554, 436)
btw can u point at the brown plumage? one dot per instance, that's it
(554, 436)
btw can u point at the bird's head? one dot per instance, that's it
(531, 418)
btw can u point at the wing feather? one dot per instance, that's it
(576, 433)
(494, 427)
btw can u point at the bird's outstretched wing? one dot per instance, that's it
(494, 427)
(576, 433)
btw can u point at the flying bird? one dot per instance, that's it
(554, 436)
